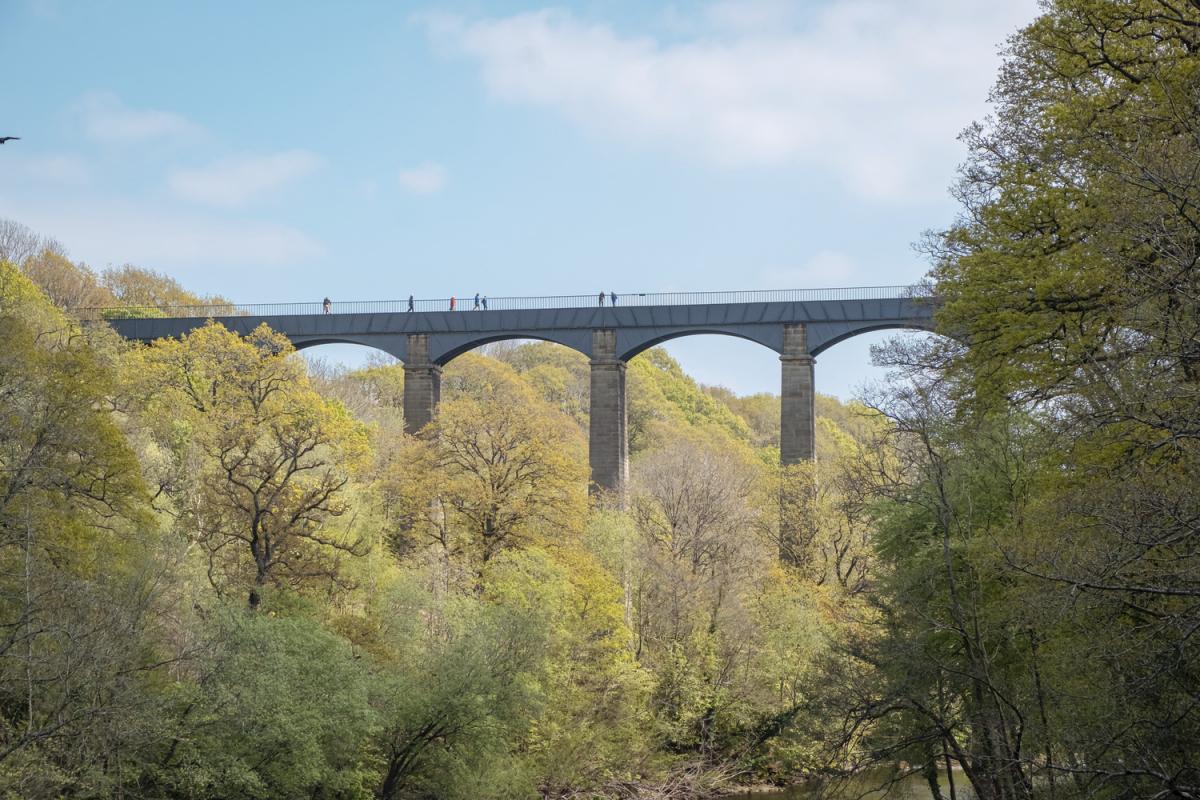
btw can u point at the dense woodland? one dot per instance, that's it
(227, 573)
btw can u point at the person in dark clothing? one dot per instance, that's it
(477, 301)
(612, 296)
(327, 305)
(601, 298)
(485, 302)
(410, 303)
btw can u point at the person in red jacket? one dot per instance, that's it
(451, 302)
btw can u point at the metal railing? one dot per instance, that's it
(512, 303)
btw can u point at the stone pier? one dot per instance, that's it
(797, 437)
(608, 439)
(422, 384)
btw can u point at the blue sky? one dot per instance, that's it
(282, 151)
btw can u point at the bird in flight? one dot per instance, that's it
(4, 139)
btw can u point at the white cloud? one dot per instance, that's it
(826, 268)
(118, 233)
(874, 91)
(236, 181)
(426, 178)
(107, 119)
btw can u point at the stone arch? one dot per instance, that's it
(636, 341)
(444, 348)
(822, 336)
(395, 346)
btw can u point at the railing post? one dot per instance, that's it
(422, 385)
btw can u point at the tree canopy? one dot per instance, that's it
(226, 572)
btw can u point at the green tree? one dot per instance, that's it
(456, 694)
(1071, 278)
(139, 287)
(73, 287)
(257, 463)
(500, 469)
(277, 708)
(79, 585)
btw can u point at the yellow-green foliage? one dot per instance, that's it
(502, 638)
(663, 398)
(78, 552)
(259, 461)
(1001, 585)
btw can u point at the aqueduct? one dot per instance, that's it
(797, 324)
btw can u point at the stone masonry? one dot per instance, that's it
(422, 385)
(608, 439)
(797, 436)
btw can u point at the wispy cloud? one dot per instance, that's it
(874, 91)
(107, 119)
(238, 180)
(117, 232)
(425, 178)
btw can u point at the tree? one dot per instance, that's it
(139, 287)
(1072, 279)
(278, 707)
(79, 584)
(559, 374)
(760, 412)
(259, 462)
(457, 692)
(698, 553)
(501, 468)
(73, 287)
(18, 243)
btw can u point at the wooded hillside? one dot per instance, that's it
(227, 573)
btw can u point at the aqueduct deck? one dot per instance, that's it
(797, 324)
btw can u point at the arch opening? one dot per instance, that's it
(339, 356)
(341, 348)
(722, 360)
(770, 338)
(478, 343)
(867, 330)
(847, 367)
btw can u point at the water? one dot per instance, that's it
(866, 787)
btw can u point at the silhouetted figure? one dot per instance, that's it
(601, 298)
(451, 302)
(612, 296)
(477, 301)
(410, 303)
(485, 302)
(327, 305)
(4, 139)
